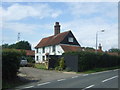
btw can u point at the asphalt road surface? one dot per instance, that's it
(105, 79)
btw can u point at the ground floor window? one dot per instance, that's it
(43, 58)
(37, 58)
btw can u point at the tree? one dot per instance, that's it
(23, 45)
(5, 46)
(19, 45)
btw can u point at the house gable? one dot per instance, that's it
(52, 40)
(70, 36)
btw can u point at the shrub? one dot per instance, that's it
(61, 63)
(68, 69)
(57, 68)
(90, 60)
(10, 63)
(30, 60)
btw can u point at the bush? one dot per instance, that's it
(90, 60)
(10, 63)
(68, 69)
(30, 60)
(61, 63)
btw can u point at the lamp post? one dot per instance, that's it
(97, 38)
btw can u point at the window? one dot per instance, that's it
(54, 48)
(70, 39)
(37, 58)
(43, 49)
(37, 50)
(43, 58)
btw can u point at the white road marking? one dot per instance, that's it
(88, 87)
(29, 87)
(61, 80)
(85, 74)
(109, 79)
(43, 83)
(75, 77)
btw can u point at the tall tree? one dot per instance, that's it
(5, 46)
(23, 45)
(19, 45)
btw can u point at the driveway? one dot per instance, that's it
(39, 75)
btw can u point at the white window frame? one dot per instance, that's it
(70, 39)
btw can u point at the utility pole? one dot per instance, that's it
(18, 37)
(97, 38)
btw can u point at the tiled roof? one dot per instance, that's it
(28, 52)
(52, 40)
(68, 48)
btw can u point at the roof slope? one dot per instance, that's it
(68, 48)
(52, 40)
(28, 52)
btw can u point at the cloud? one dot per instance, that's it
(85, 20)
(18, 27)
(85, 32)
(18, 11)
(95, 9)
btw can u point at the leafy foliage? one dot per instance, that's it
(19, 45)
(62, 63)
(30, 60)
(90, 60)
(10, 63)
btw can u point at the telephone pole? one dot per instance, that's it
(18, 37)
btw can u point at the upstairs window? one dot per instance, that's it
(70, 39)
(37, 50)
(54, 48)
(43, 49)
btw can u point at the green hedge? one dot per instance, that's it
(10, 63)
(90, 60)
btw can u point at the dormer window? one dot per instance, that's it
(70, 39)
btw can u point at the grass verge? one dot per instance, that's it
(40, 66)
(100, 69)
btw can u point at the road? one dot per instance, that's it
(105, 79)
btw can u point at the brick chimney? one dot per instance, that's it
(56, 28)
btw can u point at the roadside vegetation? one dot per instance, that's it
(10, 66)
(91, 60)
(19, 45)
(40, 66)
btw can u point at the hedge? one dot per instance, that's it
(90, 60)
(10, 63)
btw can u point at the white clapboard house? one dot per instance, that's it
(56, 44)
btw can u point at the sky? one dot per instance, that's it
(35, 20)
